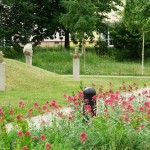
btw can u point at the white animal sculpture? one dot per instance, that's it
(27, 50)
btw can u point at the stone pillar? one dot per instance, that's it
(27, 50)
(76, 69)
(28, 59)
(2, 76)
(76, 65)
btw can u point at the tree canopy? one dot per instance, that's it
(25, 18)
(79, 18)
(41, 19)
(137, 15)
(84, 17)
(13, 19)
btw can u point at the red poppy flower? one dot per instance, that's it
(34, 137)
(20, 133)
(28, 133)
(83, 137)
(19, 116)
(44, 107)
(25, 148)
(42, 137)
(48, 146)
(11, 111)
(87, 108)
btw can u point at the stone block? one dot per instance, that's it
(2, 76)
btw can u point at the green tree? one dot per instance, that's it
(14, 22)
(41, 19)
(47, 21)
(79, 18)
(137, 19)
(84, 17)
(25, 18)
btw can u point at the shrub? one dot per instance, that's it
(101, 48)
(129, 44)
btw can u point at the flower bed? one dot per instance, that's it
(122, 122)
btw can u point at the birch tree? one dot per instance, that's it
(137, 18)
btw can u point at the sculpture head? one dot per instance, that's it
(27, 50)
(76, 50)
(76, 53)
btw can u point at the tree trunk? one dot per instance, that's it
(67, 42)
(143, 54)
(84, 56)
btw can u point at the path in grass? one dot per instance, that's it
(106, 76)
(45, 119)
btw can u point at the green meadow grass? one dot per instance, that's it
(61, 62)
(43, 80)
(32, 84)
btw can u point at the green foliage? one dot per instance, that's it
(136, 21)
(119, 124)
(101, 48)
(79, 18)
(128, 44)
(41, 19)
(15, 22)
(84, 17)
(114, 62)
(32, 84)
(11, 52)
(47, 21)
(23, 19)
(123, 38)
(137, 16)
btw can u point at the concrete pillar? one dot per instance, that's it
(27, 50)
(2, 76)
(28, 59)
(76, 69)
(76, 65)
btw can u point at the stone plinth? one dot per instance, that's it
(2, 76)
(28, 59)
(76, 65)
(76, 69)
(27, 50)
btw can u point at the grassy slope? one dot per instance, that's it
(32, 84)
(29, 83)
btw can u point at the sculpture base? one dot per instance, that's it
(76, 69)
(28, 59)
(2, 76)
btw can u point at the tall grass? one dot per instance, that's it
(60, 61)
